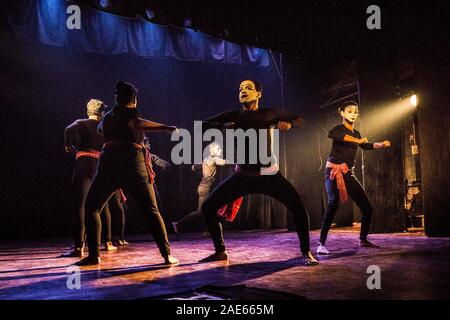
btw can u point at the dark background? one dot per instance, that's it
(44, 88)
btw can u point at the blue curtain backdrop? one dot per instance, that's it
(106, 33)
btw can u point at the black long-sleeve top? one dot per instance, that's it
(343, 151)
(261, 118)
(82, 134)
(115, 125)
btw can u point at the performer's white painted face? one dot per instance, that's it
(350, 113)
(248, 93)
(215, 150)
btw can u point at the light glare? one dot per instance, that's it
(413, 100)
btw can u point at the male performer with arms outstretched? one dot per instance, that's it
(255, 177)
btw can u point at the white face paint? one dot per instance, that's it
(350, 113)
(247, 92)
(215, 150)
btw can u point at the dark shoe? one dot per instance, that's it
(73, 253)
(218, 256)
(309, 260)
(366, 243)
(88, 261)
(170, 260)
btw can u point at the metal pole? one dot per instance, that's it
(360, 125)
(282, 107)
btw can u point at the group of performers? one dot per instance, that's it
(111, 156)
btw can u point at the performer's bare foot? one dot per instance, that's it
(88, 261)
(309, 260)
(122, 243)
(217, 256)
(170, 260)
(109, 246)
(321, 249)
(73, 252)
(366, 243)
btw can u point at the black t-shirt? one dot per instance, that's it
(115, 125)
(262, 118)
(343, 151)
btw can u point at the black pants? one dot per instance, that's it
(356, 193)
(239, 185)
(194, 220)
(85, 169)
(123, 167)
(116, 218)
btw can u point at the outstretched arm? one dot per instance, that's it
(160, 162)
(359, 141)
(70, 136)
(221, 162)
(374, 145)
(147, 125)
(384, 144)
(362, 142)
(339, 135)
(285, 120)
(220, 121)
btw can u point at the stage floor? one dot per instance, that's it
(412, 267)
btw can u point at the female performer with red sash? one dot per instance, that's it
(340, 180)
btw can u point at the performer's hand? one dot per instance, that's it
(386, 143)
(284, 126)
(363, 140)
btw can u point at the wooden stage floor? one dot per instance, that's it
(412, 267)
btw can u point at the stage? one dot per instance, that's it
(265, 261)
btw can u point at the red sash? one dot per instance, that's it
(229, 211)
(90, 153)
(337, 171)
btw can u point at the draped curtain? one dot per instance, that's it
(109, 34)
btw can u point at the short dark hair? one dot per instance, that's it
(346, 104)
(258, 86)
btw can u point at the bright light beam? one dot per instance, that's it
(413, 100)
(386, 116)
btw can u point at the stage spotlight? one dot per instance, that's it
(413, 100)
(104, 3)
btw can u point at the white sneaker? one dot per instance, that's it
(322, 250)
